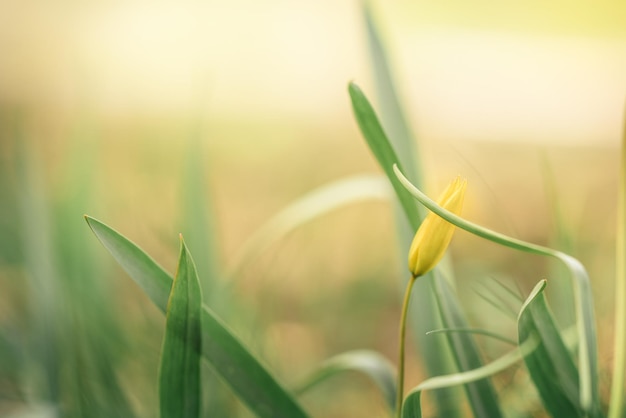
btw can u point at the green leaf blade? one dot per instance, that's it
(179, 377)
(246, 376)
(550, 366)
(146, 272)
(392, 114)
(369, 363)
(379, 144)
(481, 394)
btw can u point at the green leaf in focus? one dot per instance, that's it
(179, 375)
(246, 376)
(369, 363)
(550, 365)
(379, 144)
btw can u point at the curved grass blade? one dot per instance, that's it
(475, 331)
(246, 376)
(550, 365)
(587, 350)
(308, 207)
(179, 374)
(369, 363)
(412, 403)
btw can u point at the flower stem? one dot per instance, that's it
(402, 338)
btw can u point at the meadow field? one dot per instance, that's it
(266, 135)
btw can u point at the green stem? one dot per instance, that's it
(402, 338)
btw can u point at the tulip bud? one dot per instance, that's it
(435, 233)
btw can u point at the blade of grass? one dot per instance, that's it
(246, 376)
(481, 394)
(179, 374)
(412, 404)
(197, 210)
(587, 355)
(497, 304)
(44, 284)
(475, 331)
(392, 114)
(383, 151)
(92, 335)
(465, 354)
(512, 293)
(197, 226)
(369, 363)
(616, 405)
(550, 366)
(312, 205)
(561, 291)
(435, 351)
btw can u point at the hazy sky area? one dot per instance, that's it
(468, 69)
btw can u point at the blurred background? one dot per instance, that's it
(209, 117)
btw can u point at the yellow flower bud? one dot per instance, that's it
(435, 233)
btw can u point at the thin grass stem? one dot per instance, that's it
(401, 341)
(477, 331)
(616, 404)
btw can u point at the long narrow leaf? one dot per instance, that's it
(550, 365)
(369, 363)
(392, 114)
(481, 394)
(196, 222)
(196, 219)
(618, 403)
(44, 282)
(248, 378)
(179, 375)
(587, 351)
(382, 149)
(475, 331)
(312, 205)
(412, 403)
(482, 397)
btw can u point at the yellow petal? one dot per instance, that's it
(434, 234)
